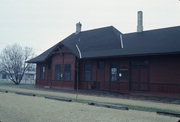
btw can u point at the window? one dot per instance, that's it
(114, 71)
(57, 72)
(4, 76)
(114, 74)
(100, 65)
(88, 72)
(42, 72)
(31, 76)
(67, 73)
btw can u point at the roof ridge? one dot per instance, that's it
(98, 28)
(155, 29)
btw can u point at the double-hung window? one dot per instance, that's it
(100, 65)
(57, 72)
(114, 72)
(67, 72)
(42, 72)
(88, 72)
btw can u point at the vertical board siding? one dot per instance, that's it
(162, 74)
(101, 77)
(165, 74)
(62, 59)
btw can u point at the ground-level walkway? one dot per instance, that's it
(133, 100)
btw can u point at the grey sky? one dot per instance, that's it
(42, 23)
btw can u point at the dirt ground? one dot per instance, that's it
(18, 108)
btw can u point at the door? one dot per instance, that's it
(99, 75)
(139, 75)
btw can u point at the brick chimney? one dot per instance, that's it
(78, 27)
(140, 21)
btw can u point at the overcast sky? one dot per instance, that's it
(42, 23)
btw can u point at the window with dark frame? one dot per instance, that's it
(100, 65)
(67, 72)
(114, 72)
(42, 72)
(4, 76)
(57, 72)
(88, 72)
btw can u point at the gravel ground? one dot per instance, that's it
(152, 104)
(18, 108)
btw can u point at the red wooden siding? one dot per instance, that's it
(165, 74)
(162, 74)
(62, 59)
(139, 78)
(101, 77)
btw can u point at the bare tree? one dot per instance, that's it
(13, 61)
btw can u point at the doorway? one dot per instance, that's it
(139, 80)
(100, 75)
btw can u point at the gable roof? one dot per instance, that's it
(105, 42)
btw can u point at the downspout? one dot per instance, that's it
(63, 68)
(80, 56)
(122, 46)
(77, 78)
(77, 75)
